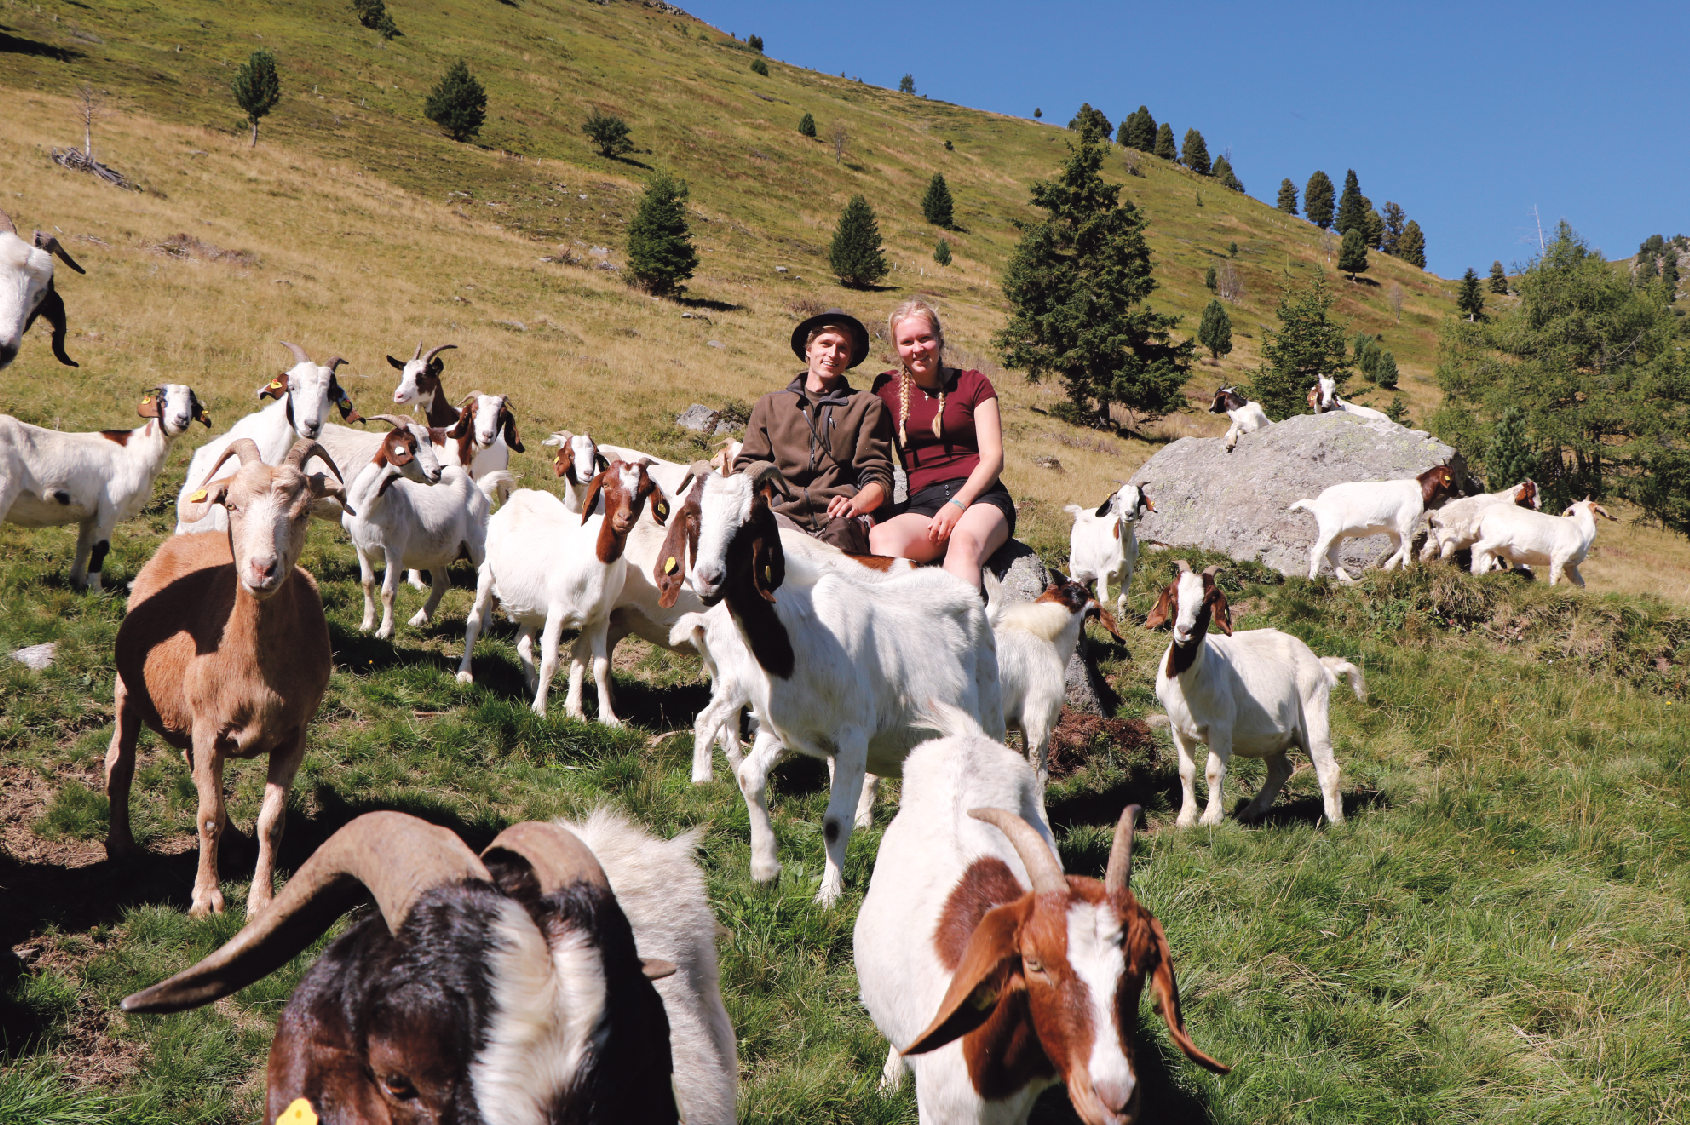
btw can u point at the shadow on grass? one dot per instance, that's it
(1311, 810)
(708, 303)
(15, 45)
(1162, 1098)
(77, 899)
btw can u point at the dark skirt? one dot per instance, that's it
(929, 500)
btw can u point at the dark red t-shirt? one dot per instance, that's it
(952, 455)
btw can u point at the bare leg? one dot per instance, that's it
(79, 565)
(284, 763)
(548, 667)
(389, 591)
(865, 803)
(753, 775)
(120, 773)
(208, 780)
(525, 655)
(438, 590)
(1278, 773)
(601, 676)
(1319, 749)
(367, 578)
(892, 1074)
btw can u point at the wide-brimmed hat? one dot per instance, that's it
(859, 334)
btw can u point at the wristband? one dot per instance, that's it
(960, 505)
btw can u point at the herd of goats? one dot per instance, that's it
(552, 976)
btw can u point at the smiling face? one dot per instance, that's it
(830, 357)
(920, 347)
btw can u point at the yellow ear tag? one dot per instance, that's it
(277, 385)
(669, 565)
(146, 401)
(298, 1112)
(197, 497)
(768, 576)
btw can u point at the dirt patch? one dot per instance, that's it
(24, 797)
(187, 246)
(1078, 736)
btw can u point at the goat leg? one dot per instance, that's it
(1187, 778)
(208, 780)
(1220, 753)
(272, 815)
(476, 621)
(753, 775)
(438, 584)
(1278, 773)
(120, 773)
(849, 773)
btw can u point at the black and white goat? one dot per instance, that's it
(511, 988)
(304, 394)
(1247, 417)
(97, 479)
(1102, 547)
(993, 974)
(26, 290)
(1323, 399)
(1260, 693)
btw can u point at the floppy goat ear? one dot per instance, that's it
(990, 969)
(511, 438)
(341, 399)
(1164, 609)
(275, 388)
(590, 501)
(397, 363)
(201, 502)
(466, 419)
(324, 488)
(199, 411)
(149, 404)
(1166, 991)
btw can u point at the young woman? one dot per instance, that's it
(949, 437)
(830, 441)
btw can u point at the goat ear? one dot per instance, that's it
(466, 418)
(149, 405)
(201, 502)
(1166, 990)
(1223, 612)
(990, 968)
(1164, 609)
(398, 449)
(325, 488)
(199, 410)
(511, 438)
(565, 457)
(341, 399)
(1144, 500)
(659, 505)
(601, 461)
(768, 560)
(1103, 508)
(590, 501)
(396, 363)
(275, 388)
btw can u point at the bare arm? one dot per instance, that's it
(988, 430)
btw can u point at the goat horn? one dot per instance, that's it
(554, 854)
(429, 358)
(701, 468)
(1211, 571)
(1034, 851)
(303, 450)
(244, 448)
(1120, 870)
(298, 352)
(334, 362)
(1184, 567)
(6, 224)
(393, 420)
(767, 471)
(419, 352)
(397, 856)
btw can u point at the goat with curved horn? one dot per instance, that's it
(1120, 870)
(244, 448)
(432, 352)
(555, 855)
(305, 449)
(395, 855)
(298, 352)
(1042, 868)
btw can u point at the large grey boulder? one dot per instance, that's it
(1236, 502)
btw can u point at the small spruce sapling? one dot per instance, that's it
(855, 255)
(257, 89)
(660, 252)
(1209, 279)
(1398, 410)
(457, 104)
(942, 252)
(1385, 372)
(1471, 299)
(1215, 330)
(807, 126)
(1498, 278)
(936, 205)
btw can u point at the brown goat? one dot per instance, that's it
(225, 653)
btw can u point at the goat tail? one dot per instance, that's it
(688, 629)
(995, 605)
(950, 721)
(1305, 505)
(496, 486)
(1337, 666)
(1073, 509)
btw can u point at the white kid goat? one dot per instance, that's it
(1527, 538)
(1102, 547)
(97, 479)
(1259, 694)
(1357, 509)
(1456, 524)
(1323, 398)
(1247, 417)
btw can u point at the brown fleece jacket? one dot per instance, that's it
(832, 449)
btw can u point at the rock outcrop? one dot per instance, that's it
(1236, 502)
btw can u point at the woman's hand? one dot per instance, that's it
(939, 528)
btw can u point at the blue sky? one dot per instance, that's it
(1468, 115)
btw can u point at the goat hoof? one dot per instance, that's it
(828, 896)
(122, 849)
(1186, 820)
(761, 873)
(465, 678)
(703, 777)
(418, 619)
(211, 904)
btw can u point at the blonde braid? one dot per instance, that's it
(903, 408)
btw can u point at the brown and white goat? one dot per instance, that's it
(26, 290)
(225, 653)
(992, 973)
(419, 384)
(511, 988)
(553, 570)
(1357, 509)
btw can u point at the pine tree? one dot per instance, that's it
(1509, 458)
(936, 204)
(807, 126)
(1385, 371)
(1411, 247)
(942, 252)
(1139, 131)
(1669, 272)
(1471, 299)
(758, 66)
(1209, 279)
(1352, 207)
(1393, 228)
(660, 252)
(755, 42)
(1037, 113)
(1194, 154)
(1288, 196)
(906, 84)
(1308, 343)
(1317, 200)
(457, 103)
(1215, 332)
(1498, 278)
(1222, 171)
(1091, 124)
(1165, 142)
(1373, 230)
(855, 256)
(257, 88)
(608, 133)
(1077, 283)
(1352, 253)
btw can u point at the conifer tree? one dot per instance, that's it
(758, 66)
(755, 42)
(1194, 154)
(1508, 458)
(1385, 371)
(1373, 230)
(906, 84)
(936, 204)
(807, 126)
(1307, 343)
(1498, 278)
(1091, 124)
(1288, 196)
(1222, 171)
(855, 256)
(1393, 228)
(1669, 272)
(1139, 131)
(457, 104)
(942, 252)
(1165, 142)
(1352, 206)
(1215, 331)
(1411, 247)
(256, 88)
(1317, 200)
(660, 252)
(1471, 299)
(1352, 253)
(1209, 279)
(1078, 284)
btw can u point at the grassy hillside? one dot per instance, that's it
(1496, 932)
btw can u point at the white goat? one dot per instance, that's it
(97, 479)
(303, 396)
(1374, 507)
(1035, 641)
(975, 954)
(1527, 538)
(577, 462)
(671, 476)
(1260, 694)
(26, 290)
(1456, 524)
(553, 569)
(1102, 547)
(852, 666)
(1247, 417)
(413, 516)
(1323, 396)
